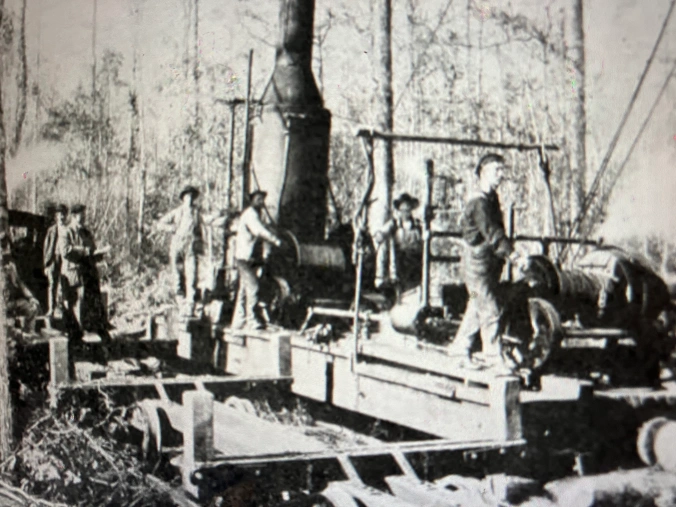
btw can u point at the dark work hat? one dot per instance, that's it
(61, 208)
(77, 208)
(189, 190)
(487, 159)
(257, 192)
(412, 201)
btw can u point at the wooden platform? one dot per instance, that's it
(390, 378)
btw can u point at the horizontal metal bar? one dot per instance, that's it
(525, 237)
(597, 332)
(392, 136)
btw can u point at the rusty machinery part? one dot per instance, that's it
(529, 345)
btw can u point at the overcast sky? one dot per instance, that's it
(619, 37)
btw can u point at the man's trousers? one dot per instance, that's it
(483, 311)
(187, 271)
(247, 297)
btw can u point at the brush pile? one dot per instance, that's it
(80, 454)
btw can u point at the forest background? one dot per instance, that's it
(119, 103)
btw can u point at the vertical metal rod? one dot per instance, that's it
(510, 235)
(357, 300)
(247, 148)
(427, 218)
(231, 152)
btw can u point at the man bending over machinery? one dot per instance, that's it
(19, 300)
(486, 249)
(404, 233)
(249, 255)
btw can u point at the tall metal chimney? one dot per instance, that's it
(291, 138)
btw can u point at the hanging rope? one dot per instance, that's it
(665, 85)
(604, 164)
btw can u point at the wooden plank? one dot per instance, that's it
(426, 412)
(187, 380)
(505, 407)
(58, 361)
(424, 358)
(425, 382)
(385, 449)
(238, 434)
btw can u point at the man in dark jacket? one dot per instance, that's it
(81, 278)
(52, 259)
(486, 249)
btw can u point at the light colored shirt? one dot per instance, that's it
(250, 230)
(187, 225)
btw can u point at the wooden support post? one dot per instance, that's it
(198, 433)
(281, 342)
(58, 361)
(504, 404)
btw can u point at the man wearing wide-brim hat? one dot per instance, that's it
(51, 257)
(252, 234)
(187, 243)
(399, 241)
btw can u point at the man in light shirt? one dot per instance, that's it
(187, 243)
(251, 237)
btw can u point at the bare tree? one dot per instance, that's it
(577, 126)
(5, 399)
(383, 110)
(22, 83)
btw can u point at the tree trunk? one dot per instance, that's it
(5, 399)
(22, 83)
(577, 124)
(196, 63)
(383, 113)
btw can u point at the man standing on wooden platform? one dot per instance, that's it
(80, 276)
(486, 249)
(249, 255)
(52, 259)
(187, 244)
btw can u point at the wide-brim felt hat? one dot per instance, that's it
(78, 208)
(189, 190)
(61, 208)
(258, 192)
(405, 197)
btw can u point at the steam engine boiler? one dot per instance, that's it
(290, 162)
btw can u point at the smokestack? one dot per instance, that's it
(291, 138)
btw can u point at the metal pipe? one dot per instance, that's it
(510, 235)
(391, 136)
(247, 148)
(427, 218)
